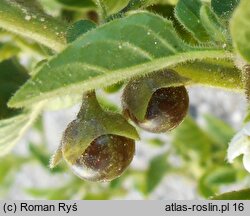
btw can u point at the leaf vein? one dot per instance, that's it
(158, 37)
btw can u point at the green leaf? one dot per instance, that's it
(79, 28)
(137, 4)
(98, 196)
(204, 189)
(218, 130)
(157, 142)
(10, 166)
(61, 193)
(111, 7)
(26, 18)
(43, 156)
(62, 102)
(168, 11)
(32, 48)
(234, 195)
(114, 6)
(12, 76)
(51, 6)
(36, 192)
(141, 4)
(213, 26)
(13, 122)
(222, 175)
(247, 117)
(40, 154)
(214, 177)
(224, 8)
(191, 141)
(117, 51)
(12, 129)
(240, 29)
(157, 170)
(32, 4)
(76, 4)
(188, 14)
(8, 50)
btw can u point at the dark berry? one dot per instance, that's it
(166, 110)
(105, 159)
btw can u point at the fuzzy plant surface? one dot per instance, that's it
(153, 48)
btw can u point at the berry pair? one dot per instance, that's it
(99, 145)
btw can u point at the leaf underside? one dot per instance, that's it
(13, 122)
(13, 129)
(235, 195)
(119, 50)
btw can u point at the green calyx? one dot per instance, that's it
(91, 122)
(138, 92)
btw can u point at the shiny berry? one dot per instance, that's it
(105, 158)
(166, 110)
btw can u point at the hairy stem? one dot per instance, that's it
(212, 73)
(102, 10)
(246, 80)
(89, 103)
(31, 22)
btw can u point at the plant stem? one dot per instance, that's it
(246, 80)
(32, 23)
(102, 9)
(212, 73)
(89, 104)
